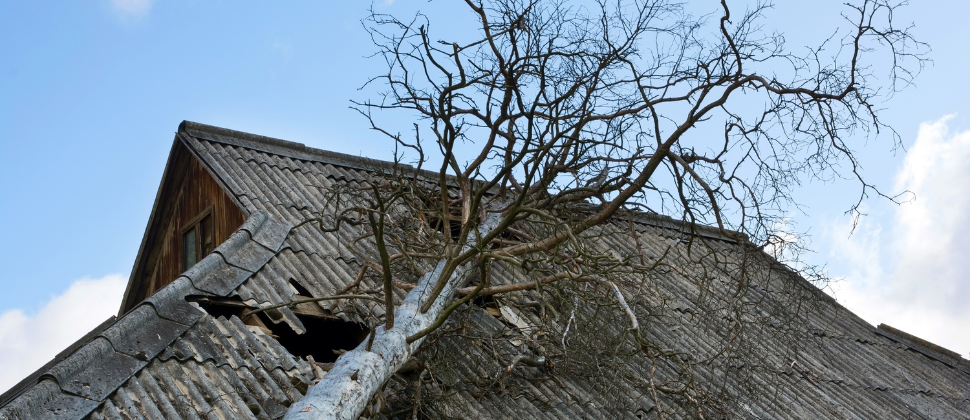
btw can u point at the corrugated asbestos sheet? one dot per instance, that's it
(171, 359)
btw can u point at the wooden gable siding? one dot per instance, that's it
(187, 191)
(197, 194)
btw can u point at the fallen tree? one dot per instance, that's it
(561, 118)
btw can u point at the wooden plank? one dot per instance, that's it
(191, 190)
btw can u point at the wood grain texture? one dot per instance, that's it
(187, 191)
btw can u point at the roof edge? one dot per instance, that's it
(167, 306)
(284, 147)
(692, 228)
(301, 151)
(168, 172)
(928, 349)
(24, 384)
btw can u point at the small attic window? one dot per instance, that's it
(198, 239)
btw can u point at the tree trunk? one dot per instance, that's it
(357, 375)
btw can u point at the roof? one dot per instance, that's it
(184, 353)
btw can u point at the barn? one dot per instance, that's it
(231, 233)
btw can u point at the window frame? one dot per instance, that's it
(195, 223)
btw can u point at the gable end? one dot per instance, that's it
(188, 191)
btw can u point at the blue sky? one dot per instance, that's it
(91, 93)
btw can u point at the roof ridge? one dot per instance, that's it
(932, 350)
(283, 147)
(297, 150)
(684, 226)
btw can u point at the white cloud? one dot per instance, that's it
(917, 278)
(27, 342)
(131, 8)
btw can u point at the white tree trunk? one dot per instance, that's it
(358, 374)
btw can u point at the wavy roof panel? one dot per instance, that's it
(179, 354)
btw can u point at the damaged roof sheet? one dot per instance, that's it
(168, 358)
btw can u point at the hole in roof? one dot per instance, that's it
(449, 223)
(300, 290)
(454, 227)
(325, 339)
(488, 303)
(485, 301)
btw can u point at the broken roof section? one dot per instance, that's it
(168, 358)
(186, 353)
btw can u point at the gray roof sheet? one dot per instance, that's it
(169, 358)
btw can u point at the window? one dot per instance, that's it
(198, 239)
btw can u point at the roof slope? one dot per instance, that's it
(169, 358)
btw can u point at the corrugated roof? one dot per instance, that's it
(169, 358)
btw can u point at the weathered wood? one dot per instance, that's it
(187, 191)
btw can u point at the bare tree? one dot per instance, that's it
(560, 121)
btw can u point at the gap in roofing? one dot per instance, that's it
(298, 289)
(488, 303)
(454, 225)
(448, 223)
(326, 336)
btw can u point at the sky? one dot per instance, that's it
(92, 92)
